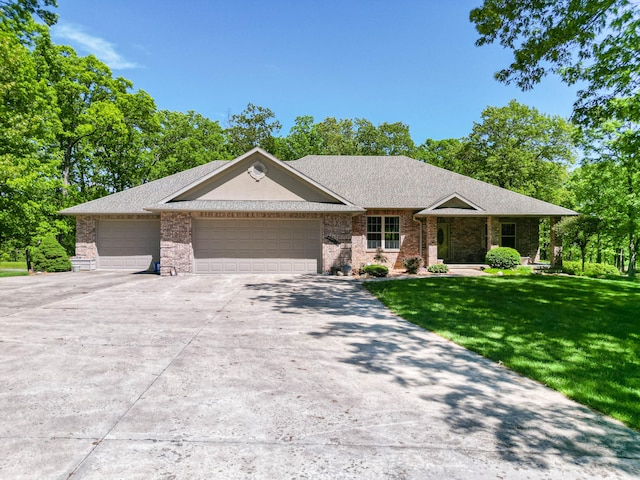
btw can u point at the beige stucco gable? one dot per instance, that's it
(256, 176)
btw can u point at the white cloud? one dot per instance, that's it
(97, 46)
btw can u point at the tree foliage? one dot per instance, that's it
(514, 147)
(578, 231)
(254, 127)
(591, 41)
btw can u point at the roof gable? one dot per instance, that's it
(454, 201)
(255, 176)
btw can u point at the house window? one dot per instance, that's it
(383, 232)
(508, 235)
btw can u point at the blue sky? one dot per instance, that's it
(410, 61)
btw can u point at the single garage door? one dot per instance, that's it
(128, 244)
(257, 246)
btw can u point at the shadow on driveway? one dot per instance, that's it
(529, 422)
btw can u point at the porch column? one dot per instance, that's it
(555, 244)
(493, 234)
(86, 237)
(431, 241)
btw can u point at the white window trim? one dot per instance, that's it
(383, 246)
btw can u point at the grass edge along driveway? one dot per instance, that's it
(578, 336)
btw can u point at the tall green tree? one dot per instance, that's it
(447, 153)
(616, 143)
(183, 141)
(255, 126)
(514, 147)
(28, 158)
(303, 139)
(17, 15)
(385, 139)
(590, 41)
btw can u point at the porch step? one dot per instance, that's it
(466, 266)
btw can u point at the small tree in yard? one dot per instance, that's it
(578, 231)
(50, 256)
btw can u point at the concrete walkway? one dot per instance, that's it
(120, 376)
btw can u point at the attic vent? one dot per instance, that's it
(257, 171)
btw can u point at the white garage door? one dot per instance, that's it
(128, 244)
(257, 246)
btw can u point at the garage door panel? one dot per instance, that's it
(128, 244)
(257, 246)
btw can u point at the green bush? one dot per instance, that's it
(50, 256)
(438, 268)
(375, 270)
(503, 257)
(412, 264)
(593, 270)
(572, 268)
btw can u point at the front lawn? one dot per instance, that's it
(13, 269)
(578, 336)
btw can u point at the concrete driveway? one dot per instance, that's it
(122, 376)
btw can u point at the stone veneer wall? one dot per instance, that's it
(176, 249)
(86, 234)
(409, 239)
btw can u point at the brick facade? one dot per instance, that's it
(176, 248)
(472, 237)
(409, 239)
(86, 235)
(336, 228)
(344, 238)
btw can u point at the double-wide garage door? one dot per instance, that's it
(128, 244)
(257, 246)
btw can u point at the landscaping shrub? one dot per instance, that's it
(375, 270)
(412, 264)
(599, 270)
(572, 268)
(593, 270)
(503, 257)
(438, 268)
(50, 256)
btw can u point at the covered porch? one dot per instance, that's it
(467, 239)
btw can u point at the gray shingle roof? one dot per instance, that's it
(254, 206)
(402, 182)
(134, 200)
(366, 181)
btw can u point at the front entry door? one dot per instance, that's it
(443, 241)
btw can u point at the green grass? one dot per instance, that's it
(517, 271)
(20, 265)
(13, 269)
(579, 336)
(13, 273)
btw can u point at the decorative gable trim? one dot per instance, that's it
(257, 171)
(455, 200)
